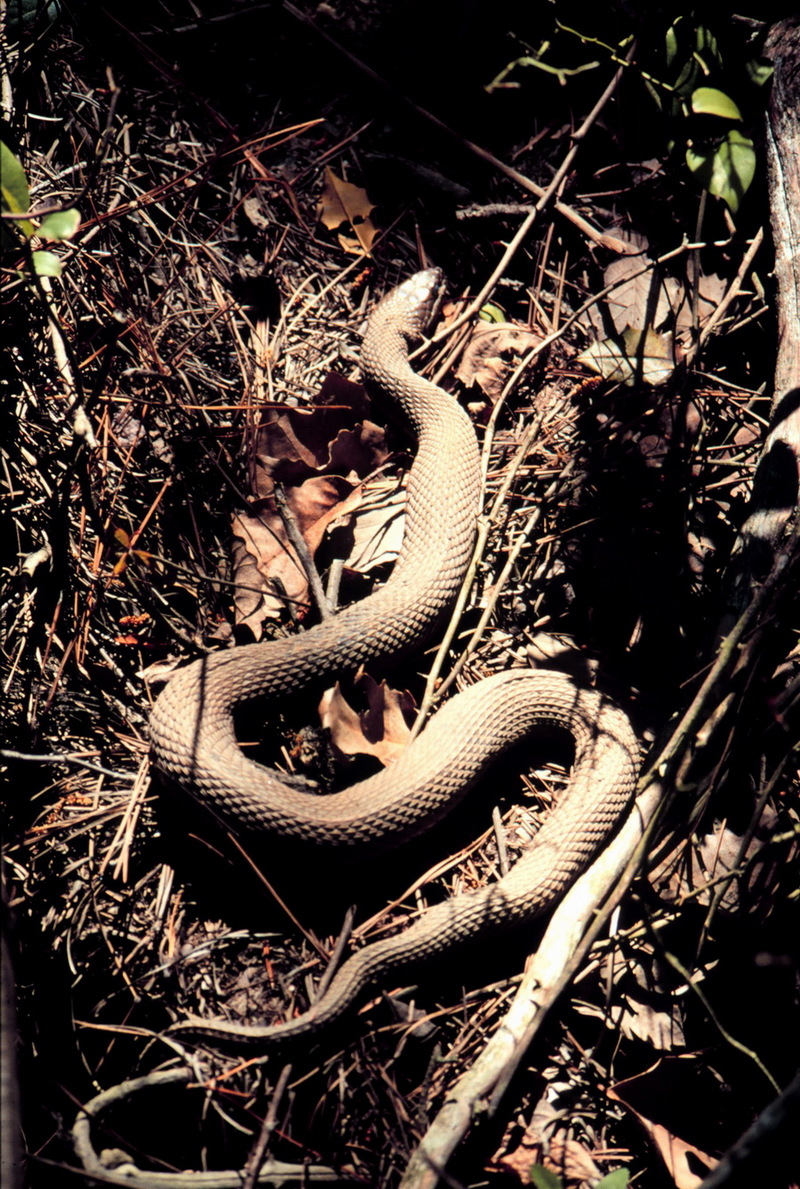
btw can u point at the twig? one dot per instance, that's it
(255, 1161)
(67, 758)
(500, 839)
(273, 1171)
(433, 693)
(490, 209)
(545, 196)
(485, 524)
(310, 938)
(338, 951)
(550, 971)
(582, 224)
(734, 289)
(577, 921)
(767, 1144)
(302, 550)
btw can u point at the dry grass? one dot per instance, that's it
(198, 287)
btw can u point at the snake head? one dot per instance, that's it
(414, 304)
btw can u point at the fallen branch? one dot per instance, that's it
(126, 1174)
(481, 1088)
(581, 915)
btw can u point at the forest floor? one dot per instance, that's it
(250, 180)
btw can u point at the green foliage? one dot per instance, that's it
(711, 102)
(29, 16)
(47, 264)
(60, 225)
(702, 76)
(542, 1178)
(491, 312)
(16, 232)
(720, 157)
(537, 60)
(727, 169)
(14, 194)
(617, 1179)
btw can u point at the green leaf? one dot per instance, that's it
(707, 47)
(47, 264)
(542, 1178)
(758, 71)
(708, 101)
(690, 72)
(672, 41)
(25, 15)
(617, 1179)
(60, 225)
(491, 313)
(726, 170)
(14, 193)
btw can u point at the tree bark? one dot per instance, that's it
(776, 487)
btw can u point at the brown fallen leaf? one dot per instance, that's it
(381, 730)
(267, 570)
(292, 445)
(652, 299)
(642, 356)
(344, 205)
(377, 524)
(487, 357)
(660, 1028)
(567, 1158)
(671, 1101)
(319, 457)
(698, 869)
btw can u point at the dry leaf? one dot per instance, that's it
(661, 1029)
(696, 871)
(380, 731)
(345, 205)
(646, 357)
(319, 457)
(670, 1098)
(651, 299)
(263, 555)
(644, 300)
(377, 525)
(485, 360)
(568, 1158)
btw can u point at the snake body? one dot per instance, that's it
(194, 740)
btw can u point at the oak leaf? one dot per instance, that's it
(381, 730)
(346, 209)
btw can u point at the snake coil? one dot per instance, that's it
(194, 742)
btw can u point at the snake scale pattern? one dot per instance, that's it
(194, 742)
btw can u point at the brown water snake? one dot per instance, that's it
(194, 741)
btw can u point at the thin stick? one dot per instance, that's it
(259, 1153)
(303, 552)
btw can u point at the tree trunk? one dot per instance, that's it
(777, 479)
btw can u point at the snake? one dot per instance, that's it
(193, 735)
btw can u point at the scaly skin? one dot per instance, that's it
(194, 743)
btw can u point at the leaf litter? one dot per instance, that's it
(114, 929)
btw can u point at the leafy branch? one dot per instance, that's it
(22, 227)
